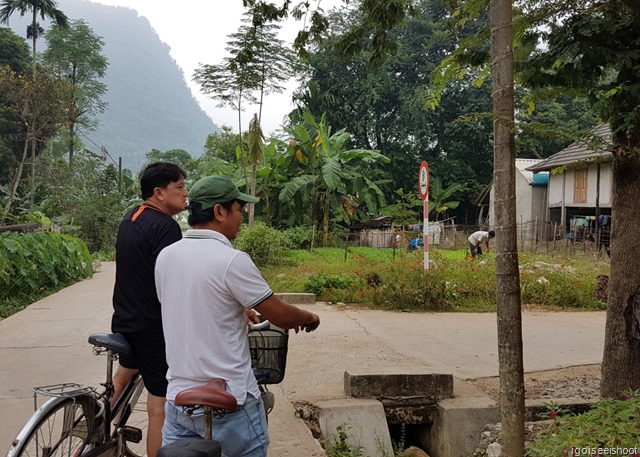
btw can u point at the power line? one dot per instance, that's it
(102, 149)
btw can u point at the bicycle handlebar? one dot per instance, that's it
(261, 326)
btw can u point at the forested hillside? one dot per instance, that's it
(149, 103)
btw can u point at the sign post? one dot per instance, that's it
(423, 190)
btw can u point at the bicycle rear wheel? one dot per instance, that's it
(62, 427)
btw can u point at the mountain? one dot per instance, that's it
(149, 102)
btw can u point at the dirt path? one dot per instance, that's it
(581, 382)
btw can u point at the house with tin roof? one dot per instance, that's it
(579, 180)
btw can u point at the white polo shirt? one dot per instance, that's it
(205, 286)
(478, 237)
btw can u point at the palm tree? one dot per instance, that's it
(47, 9)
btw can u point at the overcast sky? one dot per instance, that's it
(197, 31)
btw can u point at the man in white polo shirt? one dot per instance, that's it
(206, 287)
(477, 238)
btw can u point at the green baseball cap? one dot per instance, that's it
(208, 191)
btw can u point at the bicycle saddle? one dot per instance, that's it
(211, 395)
(113, 341)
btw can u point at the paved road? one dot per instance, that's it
(46, 344)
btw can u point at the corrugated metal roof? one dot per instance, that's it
(579, 152)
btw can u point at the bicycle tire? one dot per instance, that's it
(62, 427)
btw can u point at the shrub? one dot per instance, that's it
(331, 288)
(34, 265)
(264, 244)
(299, 237)
(608, 425)
(559, 287)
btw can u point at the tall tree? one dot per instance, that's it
(255, 139)
(177, 156)
(509, 310)
(593, 48)
(74, 53)
(383, 106)
(46, 9)
(36, 103)
(14, 53)
(259, 64)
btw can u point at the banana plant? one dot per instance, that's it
(440, 200)
(323, 175)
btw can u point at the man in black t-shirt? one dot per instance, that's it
(143, 233)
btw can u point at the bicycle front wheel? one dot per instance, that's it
(62, 427)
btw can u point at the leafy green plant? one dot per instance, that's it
(609, 424)
(299, 237)
(264, 244)
(326, 286)
(340, 446)
(34, 265)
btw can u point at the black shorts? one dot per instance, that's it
(148, 356)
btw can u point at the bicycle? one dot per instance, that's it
(79, 421)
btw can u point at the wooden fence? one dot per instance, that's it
(535, 236)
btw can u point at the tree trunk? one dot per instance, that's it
(71, 145)
(621, 357)
(252, 206)
(507, 272)
(32, 197)
(18, 177)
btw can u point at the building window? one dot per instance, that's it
(580, 186)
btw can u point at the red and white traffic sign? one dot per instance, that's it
(423, 180)
(423, 190)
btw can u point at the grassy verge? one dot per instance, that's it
(384, 279)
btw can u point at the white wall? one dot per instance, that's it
(555, 187)
(530, 202)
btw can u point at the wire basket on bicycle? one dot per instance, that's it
(268, 348)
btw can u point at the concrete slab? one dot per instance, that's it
(427, 386)
(295, 298)
(363, 420)
(458, 425)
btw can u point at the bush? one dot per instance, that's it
(608, 425)
(299, 237)
(35, 265)
(264, 244)
(331, 288)
(559, 286)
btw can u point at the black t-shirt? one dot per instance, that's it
(143, 233)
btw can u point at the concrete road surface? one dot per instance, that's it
(47, 344)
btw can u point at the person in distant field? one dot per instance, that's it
(143, 233)
(206, 287)
(477, 238)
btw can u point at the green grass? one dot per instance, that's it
(384, 279)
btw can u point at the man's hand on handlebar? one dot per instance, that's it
(252, 317)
